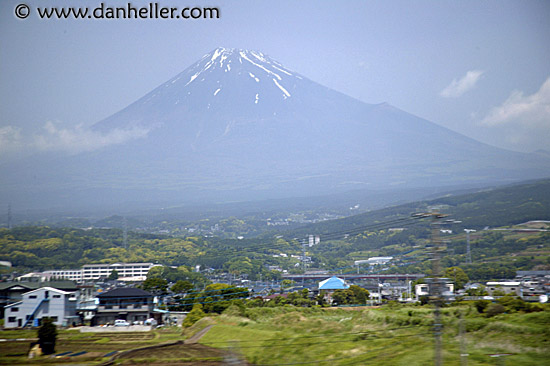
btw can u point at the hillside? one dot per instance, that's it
(500, 206)
(342, 241)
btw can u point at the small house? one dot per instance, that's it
(130, 304)
(328, 286)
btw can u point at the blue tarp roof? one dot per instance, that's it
(333, 283)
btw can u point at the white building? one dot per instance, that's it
(126, 271)
(374, 260)
(45, 302)
(67, 274)
(423, 289)
(507, 287)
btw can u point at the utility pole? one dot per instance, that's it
(436, 292)
(468, 253)
(436, 283)
(379, 293)
(304, 242)
(463, 354)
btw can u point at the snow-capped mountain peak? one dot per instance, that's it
(258, 66)
(226, 81)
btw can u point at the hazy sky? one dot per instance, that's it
(481, 68)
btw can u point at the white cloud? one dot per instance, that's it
(71, 140)
(528, 111)
(10, 139)
(522, 121)
(458, 87)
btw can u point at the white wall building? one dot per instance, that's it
(373, 261)
(41, 303)
(125, 271)
(507, 287)
(67, 274)
(423, 289)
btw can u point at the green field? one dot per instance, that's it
(387, 336)
(391, 335)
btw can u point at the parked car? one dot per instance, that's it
(121, 323)
(151, 321)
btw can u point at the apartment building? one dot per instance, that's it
(125, 271)
(66, 274)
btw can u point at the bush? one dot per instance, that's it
(236, 309)
(424, 300)
(494, 309)
(194, 315)
(481, 305)
(47, 335)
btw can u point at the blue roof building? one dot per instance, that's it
(333, 283)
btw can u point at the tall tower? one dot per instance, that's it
(468, 253)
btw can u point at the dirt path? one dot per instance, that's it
(197, 336)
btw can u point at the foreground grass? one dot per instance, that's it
(96, 345)
(389, 336)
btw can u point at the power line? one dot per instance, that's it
(372, 226)
(403, 221)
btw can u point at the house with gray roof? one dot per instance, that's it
(12, 291)
(130, 304)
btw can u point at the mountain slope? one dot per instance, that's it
(237, 125)
(500, 206)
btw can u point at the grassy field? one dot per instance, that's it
(390, 335)
(387, 336)
(95, 345)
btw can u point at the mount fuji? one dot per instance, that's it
(238, 125)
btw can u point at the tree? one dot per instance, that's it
(480, 291)
(155, 285)
(47, 335)
(458, 276)
(217, 297)
(194, 316)
(360, 295)
(355, 295)
(342, 297)
(287, 283)
(113, 275)
(181, 286)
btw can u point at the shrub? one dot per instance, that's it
(194, 315)
(494, 309)
(47, 335)
(481, 305)
(473, 325)
(235, 309)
